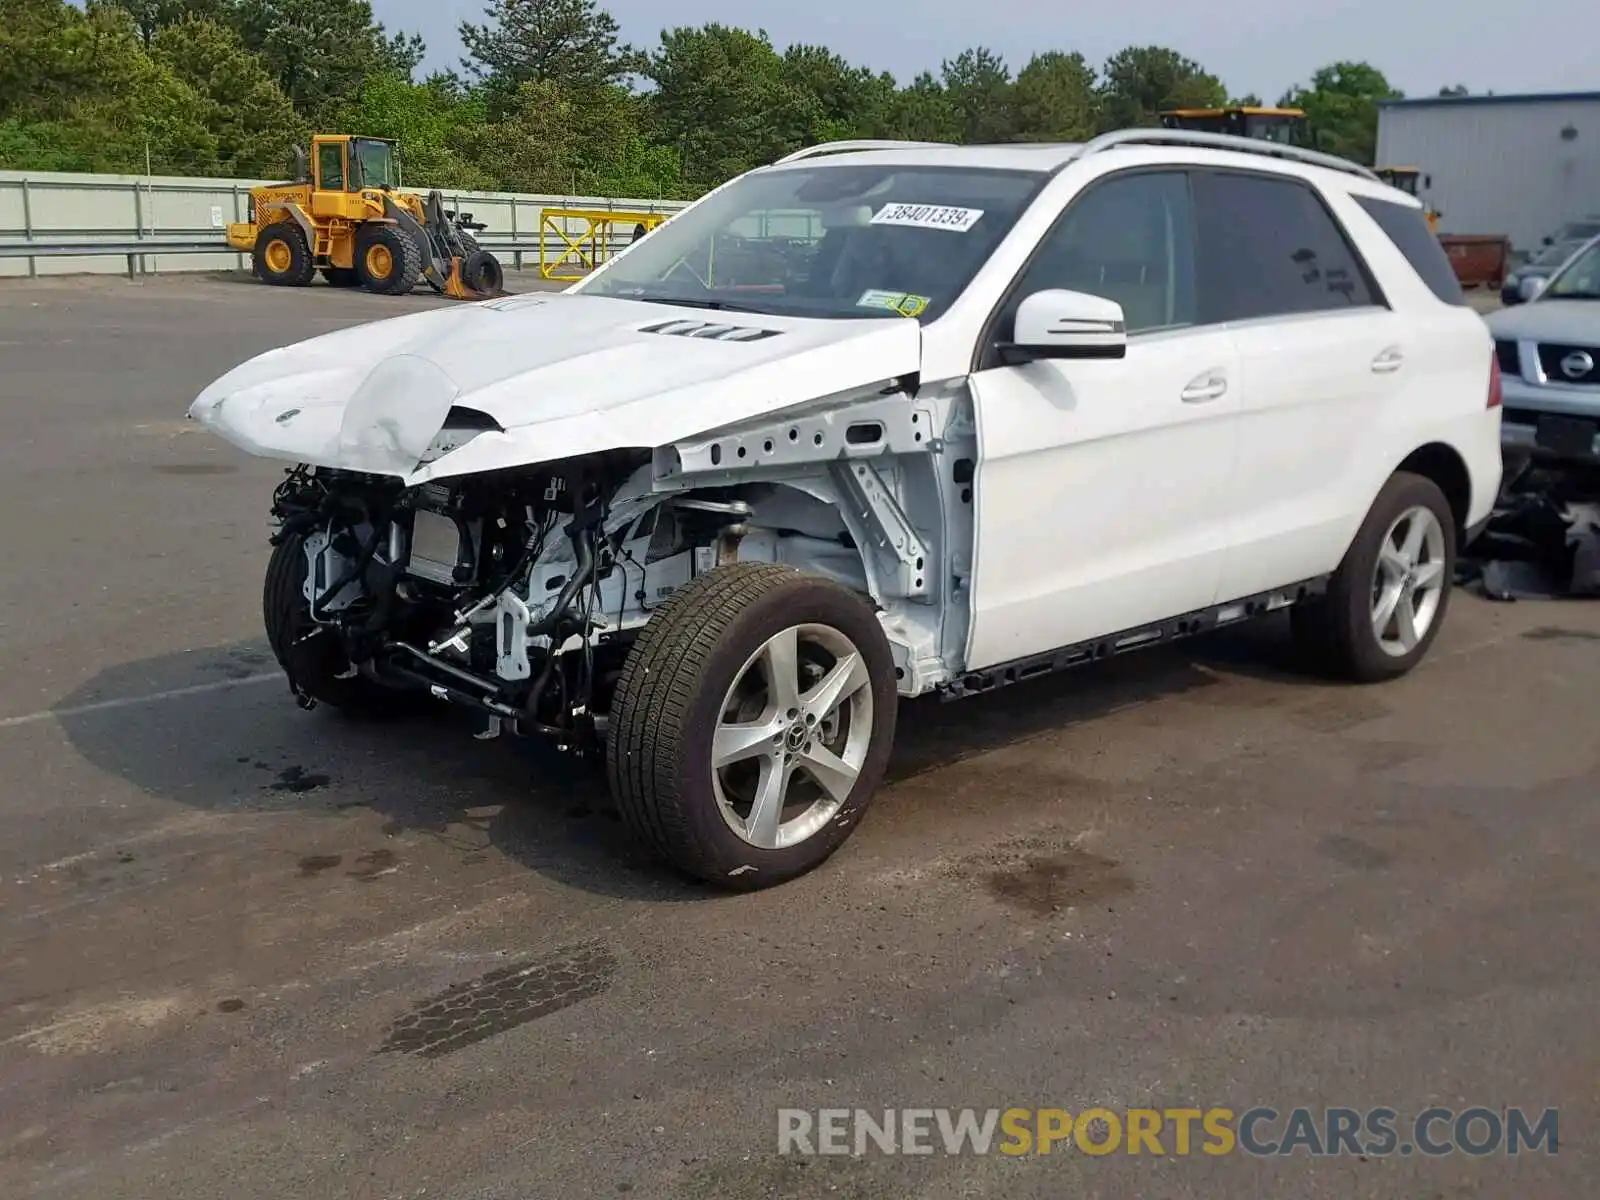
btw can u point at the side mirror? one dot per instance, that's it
(1056, 323)
(1549, 241)
(1532, 286)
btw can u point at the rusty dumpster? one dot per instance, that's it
(1479, 259)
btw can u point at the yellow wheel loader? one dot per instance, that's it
(1409, 181)
(346, 218)
(1286, 126)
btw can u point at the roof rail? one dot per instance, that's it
(1224, 141)
(857, 144)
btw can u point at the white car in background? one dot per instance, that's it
(877, 421)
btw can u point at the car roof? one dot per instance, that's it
(1149, 144)
(1042, 157)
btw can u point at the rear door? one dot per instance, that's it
(1320, 355)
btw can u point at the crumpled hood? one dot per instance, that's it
(560, 374)
(1567, 322)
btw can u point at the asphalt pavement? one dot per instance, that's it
(251, 951)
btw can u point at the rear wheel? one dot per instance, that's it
(282, 257)
(316, 663)
(1387, 601)
(752, 724)
(387, 260)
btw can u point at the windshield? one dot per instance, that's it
(1270, 130)
(1579, 279)
(373, 162)
(831, 240)
(1554, 256)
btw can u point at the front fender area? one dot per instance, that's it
(885, 477)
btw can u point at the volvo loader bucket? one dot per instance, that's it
(454, 265)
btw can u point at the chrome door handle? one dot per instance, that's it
(1388, 361)
(1206, 387)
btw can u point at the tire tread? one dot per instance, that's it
(1334, 631)
(406, 251)
(300, 253)
(659, 683)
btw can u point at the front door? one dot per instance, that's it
(328, 198)
(1103, 487)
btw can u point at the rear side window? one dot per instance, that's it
(1268, 246)
(1408, 230)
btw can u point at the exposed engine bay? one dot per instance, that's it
(518, 592)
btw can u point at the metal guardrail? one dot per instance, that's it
(34, 209)
(137, 250)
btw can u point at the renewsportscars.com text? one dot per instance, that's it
(1261, 1131)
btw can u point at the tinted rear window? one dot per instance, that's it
(1269, 247)
(1408, 230)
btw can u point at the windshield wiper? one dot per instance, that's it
(715, 305)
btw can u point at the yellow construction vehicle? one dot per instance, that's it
(345, 217)
(1285, 125)
(1409, 181)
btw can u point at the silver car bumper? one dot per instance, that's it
(1525, 403)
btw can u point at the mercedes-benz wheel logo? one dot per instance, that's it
(1577, 364)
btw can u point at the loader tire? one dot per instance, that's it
(341, 277)
(482, 273)
(387, 260)
(282, 257)
(712, 654)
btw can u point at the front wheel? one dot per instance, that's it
(752, 724)
(315, 661)
(1387, 601)
(387, 261)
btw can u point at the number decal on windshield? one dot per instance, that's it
(928, 216)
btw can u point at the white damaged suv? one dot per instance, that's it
(879, 420)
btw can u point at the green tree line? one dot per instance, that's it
(548, 98)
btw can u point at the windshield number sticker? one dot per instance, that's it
(928, 216)
(904, 303)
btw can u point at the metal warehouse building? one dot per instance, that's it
(1515, 165)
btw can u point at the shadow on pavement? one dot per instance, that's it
(249, 749)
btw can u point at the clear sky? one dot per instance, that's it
(1421, 45)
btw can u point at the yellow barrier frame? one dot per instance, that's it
(584, 251)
